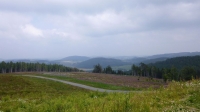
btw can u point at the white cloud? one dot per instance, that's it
(65, 35)
(31, 30)
(109, 21)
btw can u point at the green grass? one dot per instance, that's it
(25, 94)
(14, 90)
(92, 84)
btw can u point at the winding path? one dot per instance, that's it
(81, 85)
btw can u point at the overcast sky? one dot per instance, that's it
(60, 28)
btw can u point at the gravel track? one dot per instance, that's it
(83, 86)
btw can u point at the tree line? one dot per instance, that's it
(10, 67)
(144, 70)
(167, 74)
(108, 70)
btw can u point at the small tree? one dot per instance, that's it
(174, 73)
(134, 69)
(3, 67)
(120, 72)
(188, 73)
(165, 77)
(108, 69)
(97, 69)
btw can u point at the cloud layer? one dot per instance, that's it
(58, 28)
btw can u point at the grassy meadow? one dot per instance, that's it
(108, 81)
(92, 83)
(25, 94)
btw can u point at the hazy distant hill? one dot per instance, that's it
(160, 57)
(172, 55)
(71, 61)
(124, 57)
(124, 61)
(136, 60)
(29, 60)
(68, 61)
(75, 58)
(179, 62)
(147, 61)
(102, 61)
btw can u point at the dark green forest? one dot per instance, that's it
(10, 67)
(179, 62)
(178, 69)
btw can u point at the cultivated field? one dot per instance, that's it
(26, 94)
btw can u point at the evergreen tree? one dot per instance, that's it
(97, 69)
(108, 69)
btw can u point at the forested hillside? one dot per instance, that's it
(180, 68)
(179, 62)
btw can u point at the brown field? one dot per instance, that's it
(119, 80)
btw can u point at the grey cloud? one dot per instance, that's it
(82, 27)
(86, 6)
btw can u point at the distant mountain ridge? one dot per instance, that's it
(160, 57)
(136, 60)
(172, 55)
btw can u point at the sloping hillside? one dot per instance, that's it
(75, 58)
(145, 60)
(102, 61)
(172, 55)
(136, 60)
(154, 60)
(179, 62)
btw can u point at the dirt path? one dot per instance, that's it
(82, 86)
